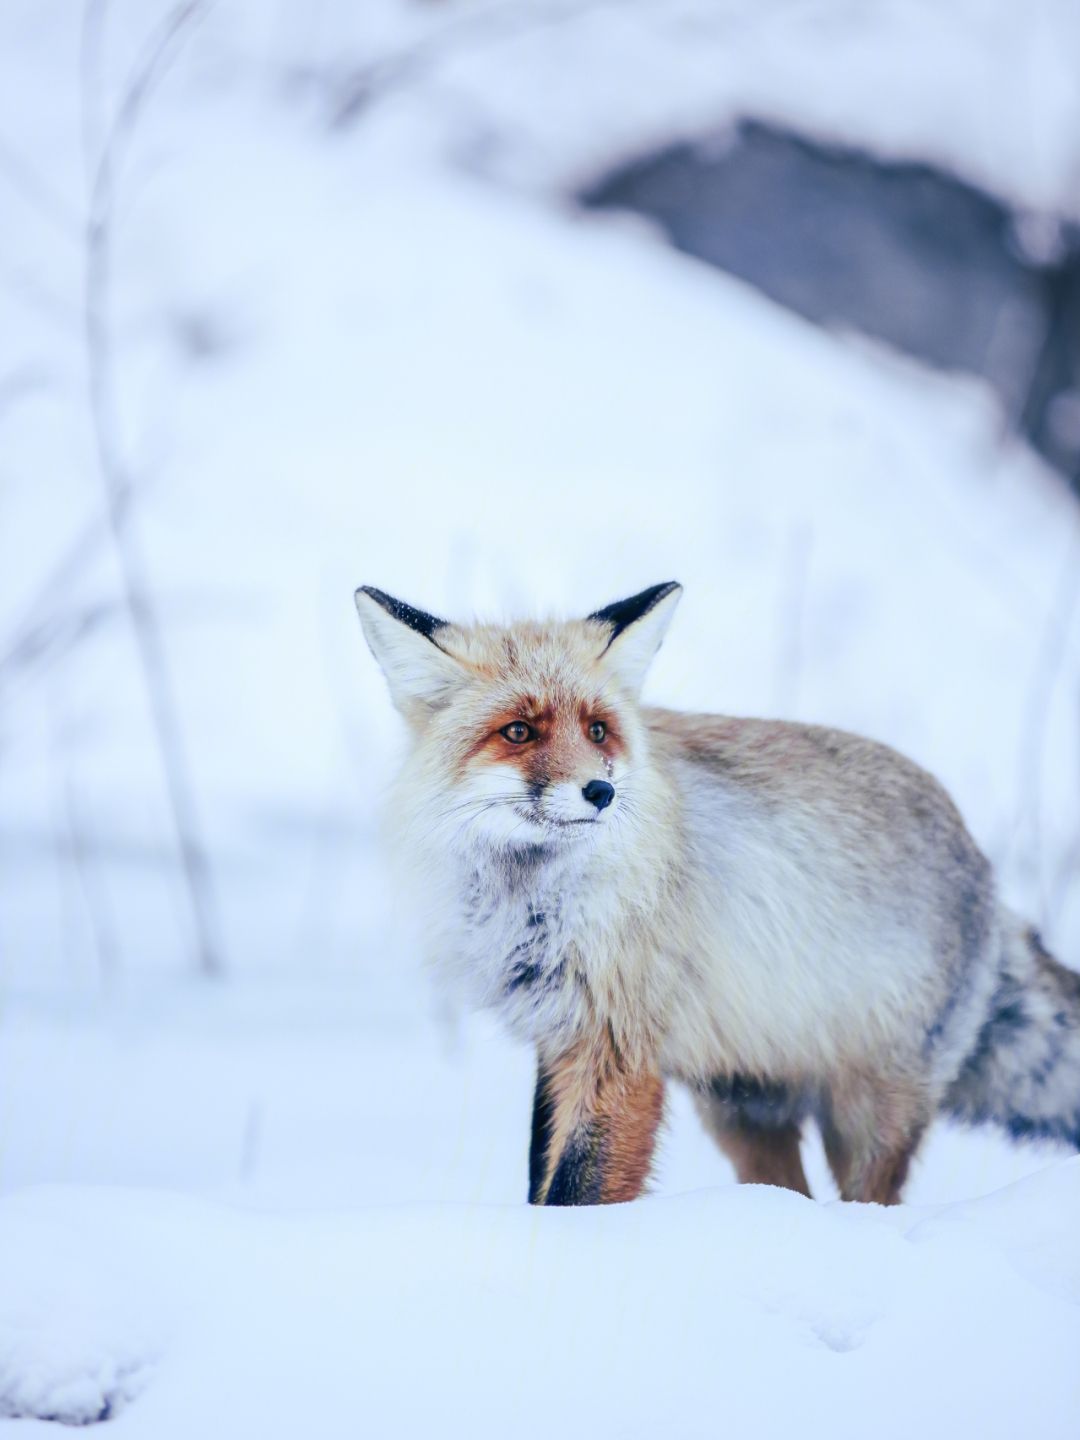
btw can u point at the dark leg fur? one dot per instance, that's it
(579, 1175)
(543, 1114)
(758, 1126)
(763, 1156)
(594, 1128)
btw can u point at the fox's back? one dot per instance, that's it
(824, 866)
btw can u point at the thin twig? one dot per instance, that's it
(117, 482)
(91, 86)
(56, 634)
(1064, 884)
(27, 183)
(1068, 873)
(1053, 648)
(38, 615)
(493, 23)
(101, 172)
(93, 892)
(791, 609)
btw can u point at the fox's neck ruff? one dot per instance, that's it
(543, 935)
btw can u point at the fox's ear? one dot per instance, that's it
(635, 629)
(421, 675)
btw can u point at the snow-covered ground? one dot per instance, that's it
(290, 1203)
(742, 1311)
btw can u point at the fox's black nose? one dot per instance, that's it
(599, 793)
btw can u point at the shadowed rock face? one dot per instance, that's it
(904, 253)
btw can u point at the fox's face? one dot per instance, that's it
(527, 734)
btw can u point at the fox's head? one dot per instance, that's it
(528, 733)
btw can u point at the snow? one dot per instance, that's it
(290, 1203)
(747, 1308)
(280, 1210)
(984, 88)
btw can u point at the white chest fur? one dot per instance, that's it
(522, 936)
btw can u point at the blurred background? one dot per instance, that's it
(505, 307)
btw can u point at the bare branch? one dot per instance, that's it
(787, 672)
(490, 24)
(1052, 652)
(38, 616)
(1067, 878)
(1064, 883)
(93, 893)
(101, 172)
(25, 182)
(117, 482)
(56, 634)
(91, 86)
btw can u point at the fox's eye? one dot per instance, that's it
(517, 732)
(597, 731)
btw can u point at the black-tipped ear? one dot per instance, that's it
(636, 627)
(418, 620)
(422, 676)
(621, 614)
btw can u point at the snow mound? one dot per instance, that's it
(75, 1345)
(515, 1321)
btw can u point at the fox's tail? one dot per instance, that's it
(1024, 1071)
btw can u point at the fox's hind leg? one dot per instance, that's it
(761, 1156)
(757, 1127)
(872, 1130)
(594, 1128)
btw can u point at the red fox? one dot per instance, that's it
(790, 920)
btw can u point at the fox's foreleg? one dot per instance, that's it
(594, 1127)
(543, 1111)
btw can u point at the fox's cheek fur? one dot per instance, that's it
(495, 799)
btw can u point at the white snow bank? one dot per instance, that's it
(741, 1311)
(435, 388)
(340, 360)
(77, 1333)
(553, 92)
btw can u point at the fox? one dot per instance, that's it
(790, 920)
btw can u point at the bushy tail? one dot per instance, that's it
(1024, 1072)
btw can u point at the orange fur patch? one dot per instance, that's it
(562, 740)
(633, 1111)
(590, 1085)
